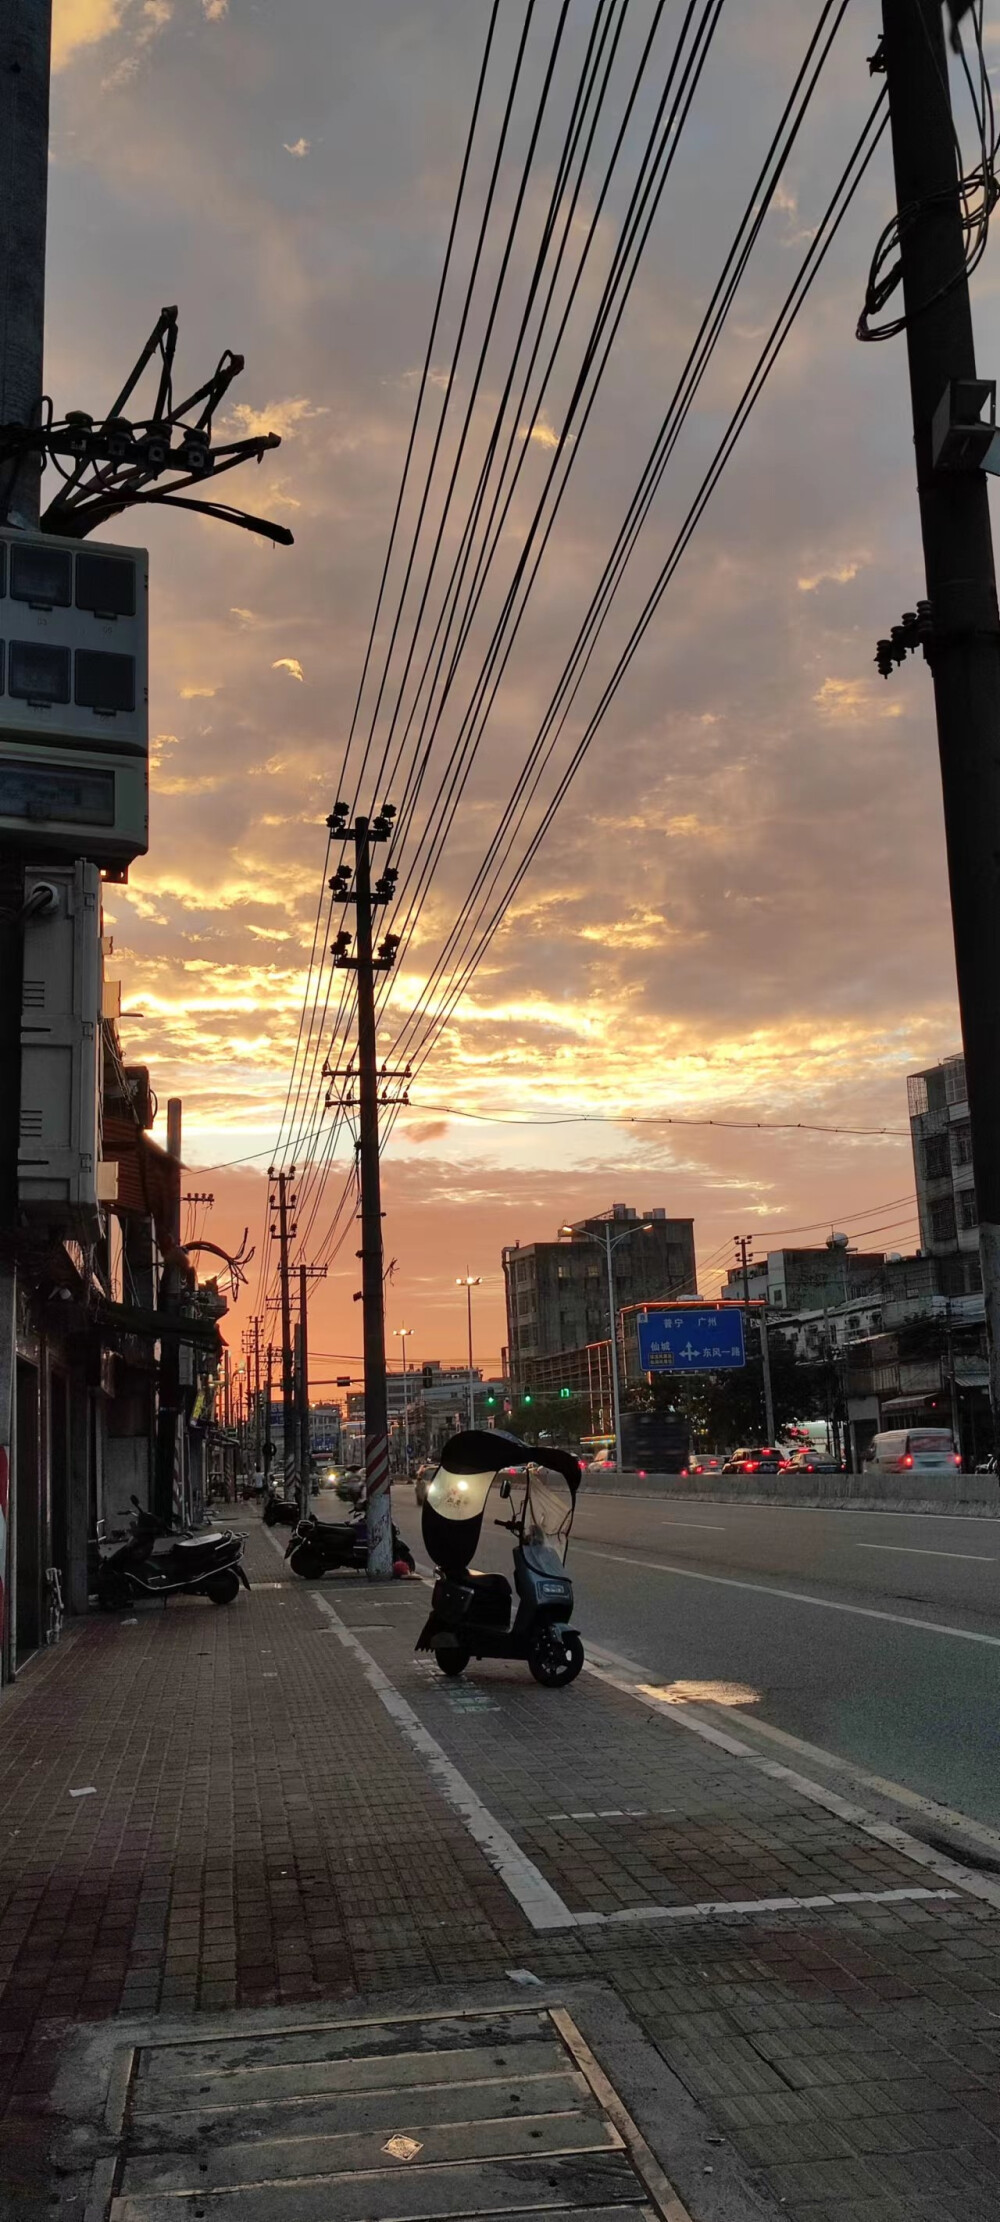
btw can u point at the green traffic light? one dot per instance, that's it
(527, 1396)
(565, 1392)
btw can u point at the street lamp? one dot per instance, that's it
(609, 1246)
(402, 1333)
(471, 1281)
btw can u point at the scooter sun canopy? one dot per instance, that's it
(453, 1509)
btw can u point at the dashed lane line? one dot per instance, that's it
(792, 1596)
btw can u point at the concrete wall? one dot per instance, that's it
(933, 1493)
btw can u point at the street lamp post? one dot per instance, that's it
(402, 1333)
(609, 1246)
(471, 1281)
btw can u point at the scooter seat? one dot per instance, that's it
(487, 1585)
(199, 1542)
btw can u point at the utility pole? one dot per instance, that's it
(307, 1273)
(765, 1353)
(283, 1204)
(256, 1395)
(471, 1281)
(402, 1333)
(962, 643)
(268, 1438)
(367, 899)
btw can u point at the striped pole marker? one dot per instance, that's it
(379, 1508)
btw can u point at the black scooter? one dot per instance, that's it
(318, 1546)
(470, 1616)
(279, 1512)
(205, 1565)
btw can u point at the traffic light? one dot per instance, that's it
(527, 1396)
(491, 1400)
(565, 1392)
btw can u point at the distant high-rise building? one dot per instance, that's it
(941, 1135)
(557, 1292)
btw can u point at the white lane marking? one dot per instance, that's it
(917, 1550)
(885, 1832)
(709, 1527)
(711, 1908)
(540, 1904)
(793, 1596)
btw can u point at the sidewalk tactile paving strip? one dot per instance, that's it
(413, 2119)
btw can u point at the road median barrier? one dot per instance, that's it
(975, 1494)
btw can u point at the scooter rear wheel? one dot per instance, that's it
(555, 1660)
(453, 1661)
(308, 1564)
(223, 1586)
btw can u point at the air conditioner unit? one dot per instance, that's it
(61, 1047)
(74, 719)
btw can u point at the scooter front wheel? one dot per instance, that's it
(454, 1660)
(555, 1657)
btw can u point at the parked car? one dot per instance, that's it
(755, 1458)
(706, 1462)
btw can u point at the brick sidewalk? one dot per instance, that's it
(262, 1832)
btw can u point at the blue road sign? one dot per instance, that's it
(690, 1341)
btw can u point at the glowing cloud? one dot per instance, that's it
(300, 147)
(290, 664)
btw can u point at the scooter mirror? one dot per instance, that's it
(505, 1486)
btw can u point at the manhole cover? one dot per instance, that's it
(438, 2116)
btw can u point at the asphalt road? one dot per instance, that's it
(873, 1635)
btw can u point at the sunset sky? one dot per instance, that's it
(741, 912)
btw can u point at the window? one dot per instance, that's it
(103, 682)
(65, 796)
(937, 1157)
(38, 673)
(42, 575)
(105, 584)
(968, 1209)
(943, 1221)
(961, 1142)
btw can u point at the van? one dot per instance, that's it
(924, 1450)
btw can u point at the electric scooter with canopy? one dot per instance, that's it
(470, 1616)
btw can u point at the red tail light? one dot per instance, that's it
(751, 1466)
(906, 1460)
(958, 1458)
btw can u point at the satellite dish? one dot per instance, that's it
(838, 1242)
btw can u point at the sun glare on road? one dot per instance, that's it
(700, 1693)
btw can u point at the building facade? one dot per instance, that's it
(941, 1136)
(557, 1292)
(805, 1280)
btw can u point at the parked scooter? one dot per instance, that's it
(470, 1616)
(206, 1565)
(318, 1546)
(279, 1512)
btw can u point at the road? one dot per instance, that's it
(875, 1636)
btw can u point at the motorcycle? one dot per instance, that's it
(318, 1546)
(279, 1512)
(206, 1565)
(470, 1616)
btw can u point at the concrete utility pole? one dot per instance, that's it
(471, 1281)
(283, 1204)
(366, 963)
(307, 1273)
(268, 1437)
(25, 43)
(963, 645)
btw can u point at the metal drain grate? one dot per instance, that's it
(420, 2119)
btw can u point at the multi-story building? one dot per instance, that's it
(808, 1280)
(557, 1292)
(941, 1135)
